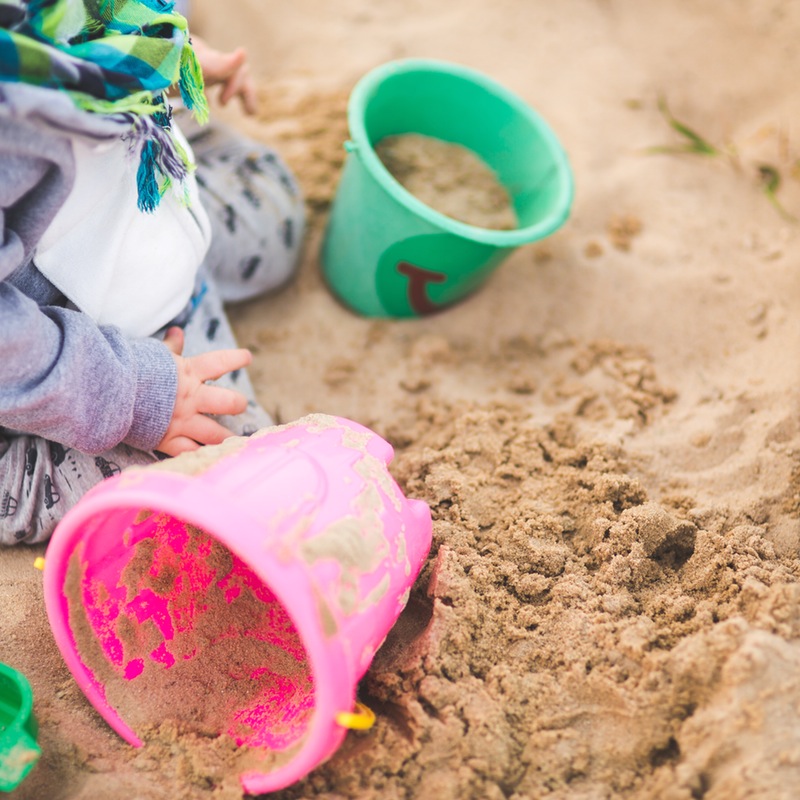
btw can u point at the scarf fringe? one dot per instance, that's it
(146, 181)
(191, 84)
(161, 162)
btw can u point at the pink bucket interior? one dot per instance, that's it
(174, 627)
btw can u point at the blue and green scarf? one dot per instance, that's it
(112, 57)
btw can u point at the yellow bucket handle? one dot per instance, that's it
(360, 719)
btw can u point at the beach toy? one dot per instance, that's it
(19, 750)
(251, 582)
(386, 253)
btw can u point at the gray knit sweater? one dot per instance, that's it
(62, 376)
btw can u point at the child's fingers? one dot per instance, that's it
(230, 89)
(219, 400)
(241, 85)
(226, 65)
(177, 445)
(249, 94)
(213, 365)
(205, 430)
(173, 339)
(217, 65)
(236, 60)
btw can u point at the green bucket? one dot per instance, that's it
(18, 729)
(387, 254)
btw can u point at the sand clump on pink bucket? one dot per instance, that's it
(229, 600)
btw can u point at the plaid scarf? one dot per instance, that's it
(112, 57)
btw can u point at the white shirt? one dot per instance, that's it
(119, 265)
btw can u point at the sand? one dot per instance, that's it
(448, 178)
(608, 432)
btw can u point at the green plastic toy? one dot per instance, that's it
(19, 750)
(387, 254)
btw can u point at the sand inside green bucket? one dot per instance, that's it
(449, 178)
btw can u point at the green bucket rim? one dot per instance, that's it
(360, 143)
(25, 693)
(21, 731)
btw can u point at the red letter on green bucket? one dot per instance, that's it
(418, 280)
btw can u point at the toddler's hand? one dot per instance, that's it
(190, 427)
(229, 69)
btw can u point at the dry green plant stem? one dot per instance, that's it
(768, 176)
(770, 182)
(694, 142)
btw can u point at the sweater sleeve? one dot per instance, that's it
(62, 376)
(66, 379)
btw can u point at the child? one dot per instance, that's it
(115, 256)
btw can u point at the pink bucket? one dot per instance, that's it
(242, 589)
